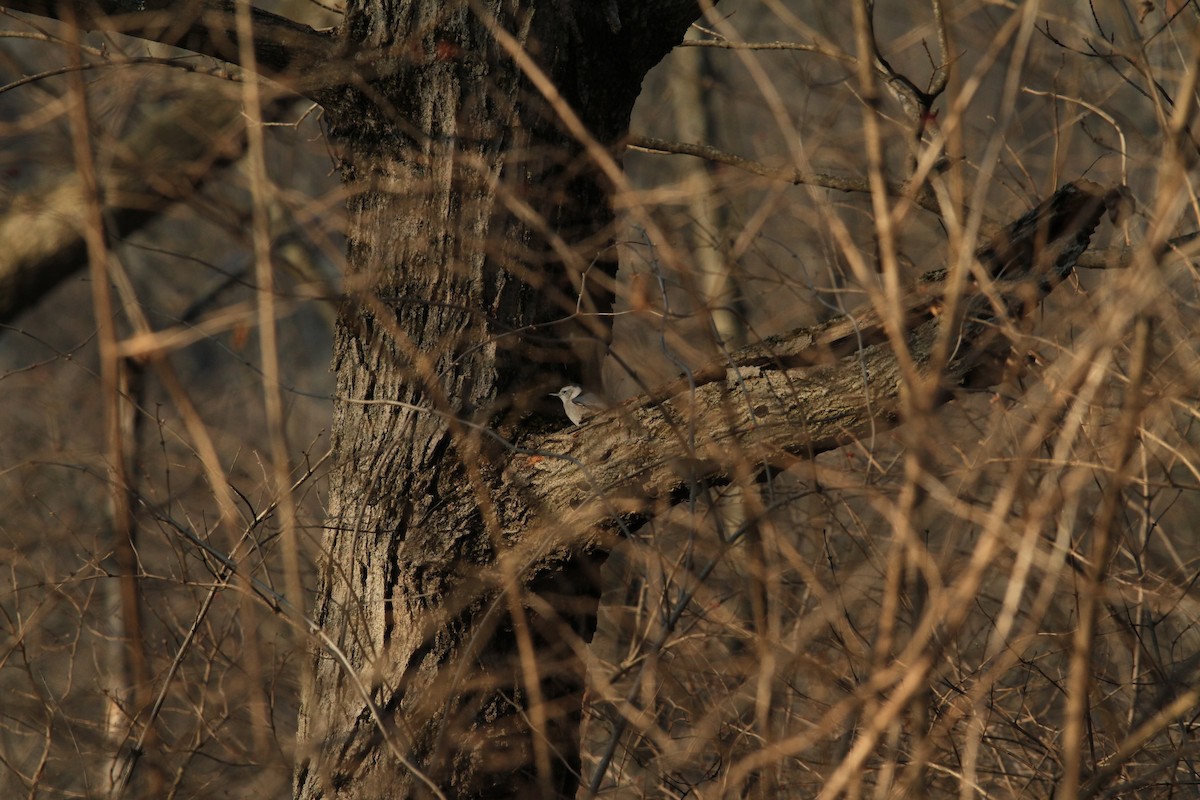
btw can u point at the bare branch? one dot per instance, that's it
(725, 44)
(284, 49)
(925, 198)
(812, 390)
(164, 159)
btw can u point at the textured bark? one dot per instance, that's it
(792, 396)
(464, 181)
(780, 401)
(459, 578)
(427, 511)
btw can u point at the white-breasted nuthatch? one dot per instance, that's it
(579, 404)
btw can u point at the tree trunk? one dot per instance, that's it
(472, 217)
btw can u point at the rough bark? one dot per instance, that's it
(789, 397)
(777, 402)
(459, 572)
(465, 184)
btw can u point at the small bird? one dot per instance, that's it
(579, 404)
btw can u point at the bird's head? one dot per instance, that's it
(568, 392)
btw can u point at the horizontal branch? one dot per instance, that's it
(285, 50)
(162, 161)
(726, 44)
(791, 397)
(1178, 248)
(925, 198)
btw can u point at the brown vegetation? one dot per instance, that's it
(895, 307)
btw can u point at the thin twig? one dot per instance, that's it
(649, 144)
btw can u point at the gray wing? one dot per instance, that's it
(591, 402)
